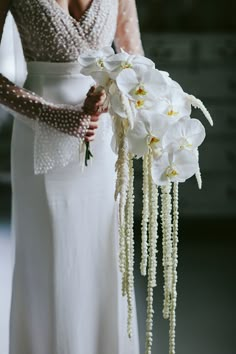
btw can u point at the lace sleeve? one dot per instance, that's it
(67, 119)
(59, 128)
(127, 34)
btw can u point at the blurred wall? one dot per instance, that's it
(187, 15)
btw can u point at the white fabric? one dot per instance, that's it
(66, 296)
(53, 148)
(12, 62)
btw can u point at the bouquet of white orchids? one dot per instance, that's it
(151, 120)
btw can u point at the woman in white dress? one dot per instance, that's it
(66, 290)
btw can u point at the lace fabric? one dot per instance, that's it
(61, 117)
(128, 32)
(50, 34)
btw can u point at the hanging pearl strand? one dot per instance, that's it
(145, 217)
(153, 224)
(198, 173)
(196, 103)
(174, 270)
(126, 254)
(128, 110)
(122, 171)
(152, 261)
(130, 245)
(167, 246)
(150, 311)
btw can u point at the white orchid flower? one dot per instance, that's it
(186, 134)
(146, 134)
(102, 78)
(174, 105)
(120, 105)
(116, 106)
(143, 86)
(95, 60)
(177, 167)
(124, 60)
(169, 81)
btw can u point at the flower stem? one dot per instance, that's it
(88, 153)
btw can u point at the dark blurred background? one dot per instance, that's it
(195, 41)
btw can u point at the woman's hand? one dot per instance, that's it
(93, 105)
(90, 135)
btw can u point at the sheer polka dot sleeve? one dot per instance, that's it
(128, 33)
(67, 119)
(59, 129)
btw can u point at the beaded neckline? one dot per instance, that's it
(82, 18)
(49, 33)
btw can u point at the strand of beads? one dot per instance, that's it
(127, 109)
(196, 103)
(122, 171)
(198, 173)
(174, 270)
(149, 318)
(152, 259)
(129, 237)
(166, 246)
(145, 217)
(153, 225)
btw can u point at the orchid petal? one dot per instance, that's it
(117, 105)
(185, 134)
(137, 139)
(102, 78)
(159, 167)
(195, 132)
(186, 163)
(126, 81)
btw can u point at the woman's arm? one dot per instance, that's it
(68, 119)
(127, 34)
(65, 118)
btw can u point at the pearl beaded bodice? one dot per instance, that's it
(49, 33)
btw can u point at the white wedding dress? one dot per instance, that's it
(66, 289)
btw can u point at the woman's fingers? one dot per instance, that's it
(89, 138)
(93, 125)
(91, 90)
(90, 132)
(92, 93)
(95, 117)
(94, 100)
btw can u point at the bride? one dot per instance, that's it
(66, 289)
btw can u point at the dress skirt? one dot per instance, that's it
(66, 287)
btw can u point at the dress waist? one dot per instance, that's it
(58, 82)
(53, 68)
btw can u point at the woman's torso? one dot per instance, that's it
(48, 33)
